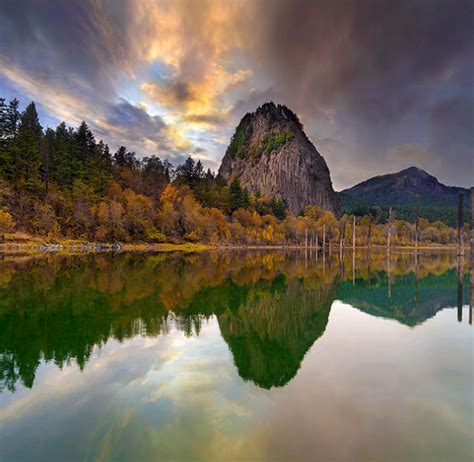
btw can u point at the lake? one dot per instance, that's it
(235, 356)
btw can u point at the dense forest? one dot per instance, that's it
(408, 212)
(63, 183)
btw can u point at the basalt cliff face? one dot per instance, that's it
(271, 155)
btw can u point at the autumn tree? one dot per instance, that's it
(7, 223)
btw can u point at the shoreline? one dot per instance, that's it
(38, 245)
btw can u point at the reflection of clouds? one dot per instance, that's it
(155, 387)
(370, 388)
(378, 391)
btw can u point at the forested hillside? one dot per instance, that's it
(411, 193)
(63, 183)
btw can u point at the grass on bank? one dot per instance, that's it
(24, 242)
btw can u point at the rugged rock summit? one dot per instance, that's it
(271, 155)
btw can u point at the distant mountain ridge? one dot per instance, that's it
(406, 191)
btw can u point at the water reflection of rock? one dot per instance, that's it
(270, 335)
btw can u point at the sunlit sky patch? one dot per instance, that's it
(378, 85)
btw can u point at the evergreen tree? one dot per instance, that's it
(9, 123)
(236, 196)
(185, 173)
(99, 169)
(4, 151)
(47, 146)
(65, 168)
(84, 143)
(155, 176)
(3, 119)
(29, 158)
(279, 208)
(13, 119)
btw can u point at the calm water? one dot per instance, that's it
(250, 356)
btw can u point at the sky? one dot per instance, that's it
(379, 85)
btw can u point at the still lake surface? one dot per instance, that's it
(235, 356)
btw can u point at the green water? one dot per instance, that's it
(235, 356)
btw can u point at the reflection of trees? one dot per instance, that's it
(434, 294)
(59, 309)
(419, 289)
(271, 306)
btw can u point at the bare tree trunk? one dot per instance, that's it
(460, 223)
(369, 234)
(417, 233)
(341, 239)
(354, 234)
(317, 244)
(306, 238)
(324, 262)
(324, 238)
(389, 232)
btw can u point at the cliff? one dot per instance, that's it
(271, 155)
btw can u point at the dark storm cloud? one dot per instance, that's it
(368, 50)
(452, 136)
(374, 65)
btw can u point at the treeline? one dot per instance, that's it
(64, 183)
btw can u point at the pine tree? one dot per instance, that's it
(65, 168)
(99, 169)
(279, 208)
(3, 119)
(13, 119)
(236, 195)
(29, 157)
(47, 147)
(9, 123)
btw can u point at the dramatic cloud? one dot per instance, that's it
(378, 84)
(133, 126)
(375, 68)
